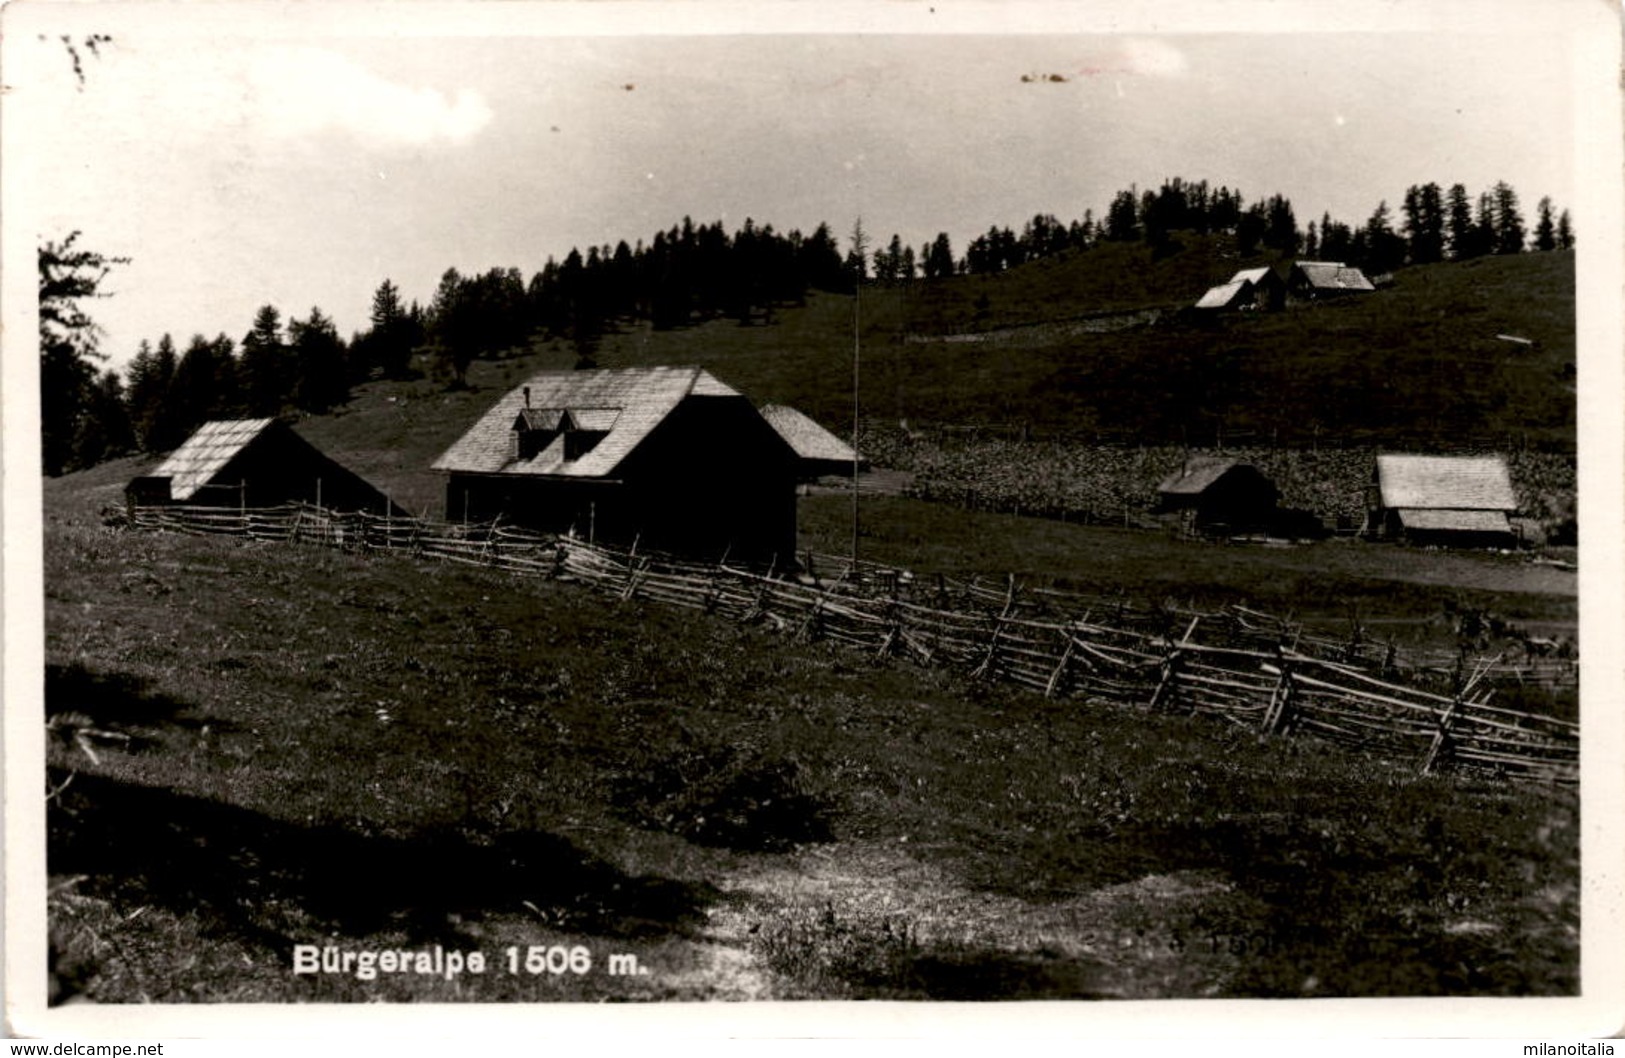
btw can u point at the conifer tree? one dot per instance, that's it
(68, 340)
(263, 371)
(1545, 226)
(1459, 224)
(1509, 224)
(321, 377)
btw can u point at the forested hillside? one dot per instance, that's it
(1076, 329)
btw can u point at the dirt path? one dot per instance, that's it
(874, 920)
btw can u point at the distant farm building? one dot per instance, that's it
(819, 453)
(667, 458)
(1248, 289)
(1317, 280)
(1219, 496)
(254, 463)
(1462, 501)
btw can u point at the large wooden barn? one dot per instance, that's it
(1220, 496)
(254, 463)
(1461, 501)
(667, 458)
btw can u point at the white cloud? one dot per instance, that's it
(298, 91)
(1153, 58)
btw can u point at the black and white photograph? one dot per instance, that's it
(801, 512)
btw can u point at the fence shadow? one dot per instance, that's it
(261, 879)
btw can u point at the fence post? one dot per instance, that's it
(1276, 714)
(1057, 678)
(1169, 668)
(808, 629)
(633, 568)
(1441, 737)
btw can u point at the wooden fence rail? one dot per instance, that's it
(1238, 665)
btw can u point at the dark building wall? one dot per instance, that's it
(588, 507)
(1270, 293)
(281, 467)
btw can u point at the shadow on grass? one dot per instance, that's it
(112, 699)
(1418, 913)
(262, 880)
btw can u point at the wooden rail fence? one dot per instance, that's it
(1238, 665)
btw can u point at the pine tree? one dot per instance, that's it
(1565, 231)
(195, 393)
(857, 254)
(939, 259)
(104, 429)
(1485, 238)
(1424, 223)
(1509, 224)
(1122, 218)
(264, 374)
(452, 324)
(1281, 226)
(1384, 249)
(68, 344)
(1250, 228)
(821, 260)
(144, 393)
(1545, 226)
(1459, 224)
(393, 337)
(167, 427)
(321, 377)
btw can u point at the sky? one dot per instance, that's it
(297, 155)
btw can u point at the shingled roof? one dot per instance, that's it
(1333, 275)
(625, 404)
(807, 437)
(1445, 483)
(1196, 477)
(195, 463)
(1221, 296)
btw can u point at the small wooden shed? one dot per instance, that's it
(1220, 496)
(254, 463)
(667, 458)
(1452, 501)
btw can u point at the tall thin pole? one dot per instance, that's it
(857, 301)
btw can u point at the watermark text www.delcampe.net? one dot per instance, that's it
(90, 1050)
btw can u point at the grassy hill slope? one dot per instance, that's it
(372, 752)
(1415, 365)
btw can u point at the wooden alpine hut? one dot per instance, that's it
(1319, 280)
(665, 458)
(1458, 501)
(1251, 289)
(254, 463)
(1219, 496)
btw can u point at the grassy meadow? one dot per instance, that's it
(267, 745)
